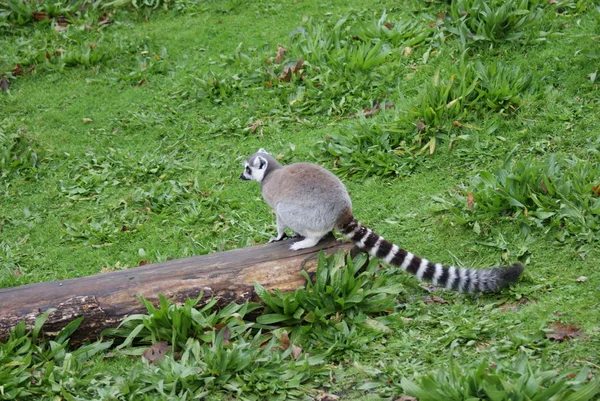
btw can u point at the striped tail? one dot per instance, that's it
(450, 277)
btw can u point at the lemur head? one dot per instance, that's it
(258, 166)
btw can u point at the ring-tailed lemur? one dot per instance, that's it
(312, 201)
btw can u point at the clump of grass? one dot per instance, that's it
(17, 149)
(495, 21)
(465, 92)
(557, 194)
(22, 12)
(503, 382)
(220, 352)
(33, 368)
(338, 290)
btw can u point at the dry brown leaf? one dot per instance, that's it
(144, 262)
(156, 352)
(255, 125)
(407, 51)
(285, 340)
(457, 124)
(562, 332)
(388, 25)
(60, 28)
(326, 397)
(296, 352)
(596, 190)
(281, 52)
(39, 15)
(17, 272)
(17, 71)
(226, 335)
(470, 201)
(432, 299)
(62, 20)
(368, 112)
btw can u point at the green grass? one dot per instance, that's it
(122, 135)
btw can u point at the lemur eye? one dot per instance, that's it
(248, 169)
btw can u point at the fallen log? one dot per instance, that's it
(106, 299)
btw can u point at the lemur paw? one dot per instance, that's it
(279, 238)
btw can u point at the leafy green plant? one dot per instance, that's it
(559, 193)
(495, 21)
(219, 352)
(31, 368)
(465, 91)
(503, 382)
(176, 324)
(22, 12)
(338, 289)
(406, 32)
(17, 150)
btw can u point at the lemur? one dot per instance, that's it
(312, 201)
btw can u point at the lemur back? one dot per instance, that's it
(312, 201)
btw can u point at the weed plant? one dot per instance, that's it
(557, 195)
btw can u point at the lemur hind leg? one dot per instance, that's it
(308, 242)
(280, 231)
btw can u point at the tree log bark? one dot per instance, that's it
(106, 299)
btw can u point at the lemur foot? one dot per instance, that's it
(278, 238)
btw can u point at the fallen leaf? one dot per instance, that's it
(156, 352)
(372, 110)
(60, 28)
(291, 68)
(4, 84)
(296, 352)
(39, 15)
(596, 190)
(457, 124)
(326, 397)
(562, 332)
(581, 279)
(87, 120)
(470, 201)
(17, 71)
(17, 272)
(144, 262)
(407, 51)
(62, 20)
(407, 398)
(140, 83)
(432, 299)
(421, 126)
(281, 52)
(388, 26)
(285, 340)
(226, 335)
(105, 20)
(255, 125)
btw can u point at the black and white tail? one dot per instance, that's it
(450, 277)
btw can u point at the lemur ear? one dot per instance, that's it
(261, 150)
(260, 162)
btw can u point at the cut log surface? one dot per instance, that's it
(106, 299)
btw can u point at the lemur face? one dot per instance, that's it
(255, 167)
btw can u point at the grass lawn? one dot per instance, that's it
(466, 131)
